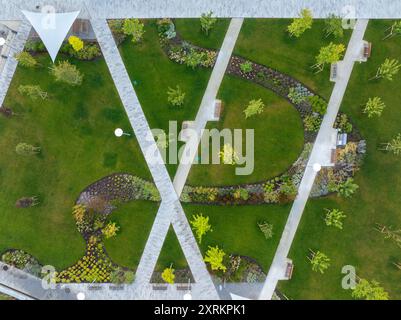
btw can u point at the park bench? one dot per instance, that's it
(159, 287)
(333, 158)
(367, 49)
(116, 287)
(94, 288)
(333, 71)
(184, 287)
(289, 269)
(218, 108)
(342, 140)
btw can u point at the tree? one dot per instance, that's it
(301, 24)
(266, 228)
(254, 107)
(328, 54)
(394, 30)
(387, 70)
(334, 218)
(201, 226)
(26, 60)
(319, 261)
(25, 149)
(67, 73)
(333, 26)
(229, 155)
(215, 257)
(175, 97)
(374, 107)
(369, 290)
(32, 91)
(76, 43)
(168, 275)
(393, 146)
(110, 230)
(134, 28)
(207, 22)
(347, 188)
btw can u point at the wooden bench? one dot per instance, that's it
(93, 288)
(289, 270)
(333, 71)
(116, 287)
(367, 49)
(159, 287)
(333, 157)
(218, 109)
(185, 287)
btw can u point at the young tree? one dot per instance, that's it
(393, 146)
(134, 28)
(176, 97)
(254, 107)
(369, 291)
(333, 26)
(334, 217)
(168, 275)
(266, 228)
(347, 188)
(318, 104)
(374, 107)
(110, 230)
(319, 261)
(394, 30)
(25, 149)
(207, 22)
(328, 54)
(26, 60)
(215, 257)
(301, 24)
(76, 43)
(67, 73)
(387, 70)
(229, 155)
(201, 225)
(32, 91)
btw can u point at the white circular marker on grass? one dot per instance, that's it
(81, 296)
(118, 132)
(317, 167)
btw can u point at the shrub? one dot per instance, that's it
(201, 226)
(25, 149)
(26, 60)
(134, 28)
(301, 24)
(32, 91)
(374, 107)
(318, 104)
(110, 230)
(246, 67)
(312, 123)
(215, 257)
(67, 73)
(207, 22)
(241, 193)
(194, 58)
(343, 123)
(76, 43)
(297, 94)
(334, 218)
(168, 275)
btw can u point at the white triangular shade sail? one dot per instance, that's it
(52, 28)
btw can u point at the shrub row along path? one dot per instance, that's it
(319, 152)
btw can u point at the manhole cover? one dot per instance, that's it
(5, 268)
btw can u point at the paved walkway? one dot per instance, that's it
(108, 9)
(323, 140)
(170, 210)
(15, 44)
(206, 110)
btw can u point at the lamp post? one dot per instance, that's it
(119, 133)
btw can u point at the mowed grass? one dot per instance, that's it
(190, 30)
(278, 135)
(74, 128)
(154, 72)
(267, 41)
(377, 200)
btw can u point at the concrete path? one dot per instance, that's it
(109, 9)
(206, 110)
(277, 269)
(15, 44)
(170, 210)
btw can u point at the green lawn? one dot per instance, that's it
(278, 134)
(377, 201)
(190, 30)
(266, 41)
(74, 128)
(154, 72)
(135, 220)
